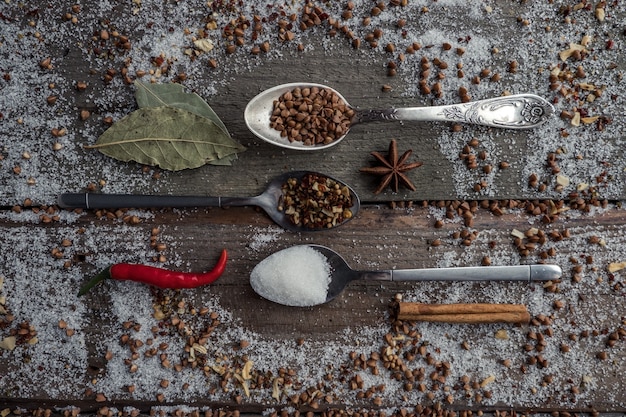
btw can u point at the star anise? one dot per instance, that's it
(393, 169)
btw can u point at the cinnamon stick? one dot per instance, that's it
(461, 308)
(464, 313)
(515, 317)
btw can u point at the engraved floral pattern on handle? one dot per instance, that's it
(522, 111)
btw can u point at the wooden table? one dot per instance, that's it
(549, 195)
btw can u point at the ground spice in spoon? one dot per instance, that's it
(298, 276)
(316, 201)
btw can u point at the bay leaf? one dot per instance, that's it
(169, 137)
(174, 95)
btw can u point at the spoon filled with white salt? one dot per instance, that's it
(308, 275)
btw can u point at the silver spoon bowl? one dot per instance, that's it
(341, 274)
(520, 111)
(269, 201)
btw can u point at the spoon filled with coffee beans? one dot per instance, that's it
(308, 116)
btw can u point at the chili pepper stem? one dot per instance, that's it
(101, 276)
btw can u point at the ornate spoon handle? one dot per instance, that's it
(521, 111)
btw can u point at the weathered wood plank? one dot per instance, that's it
(358, 73)
(571, 357)
(357, 320)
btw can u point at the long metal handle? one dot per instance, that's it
(480, 273)
(521, 111)
(110, 201)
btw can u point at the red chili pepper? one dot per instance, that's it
(159, 277)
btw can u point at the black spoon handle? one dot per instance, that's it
(98, 201)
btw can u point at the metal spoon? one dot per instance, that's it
(521, 111)
(341, 275)
(269, 201)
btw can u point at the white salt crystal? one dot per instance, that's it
(296, 276)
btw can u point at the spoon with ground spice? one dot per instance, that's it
(308, 275)
(308, 116)
(297, 201)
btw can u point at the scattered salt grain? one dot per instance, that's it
(262, 237)
(296, 276)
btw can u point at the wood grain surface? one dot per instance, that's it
(194, 238)
(92, 356)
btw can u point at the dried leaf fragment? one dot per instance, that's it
(573, 47)
(502, 334)
(487, 381)
(600, 14)
(276, 388)
(562, 180)
(8, 343)
(518, 234)
(158, 313)
(199, 348)
(587, 86)
(245, 372)
(244, 384)
(616, 266)
(205, 45)
(220, 370)
(589, 120)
